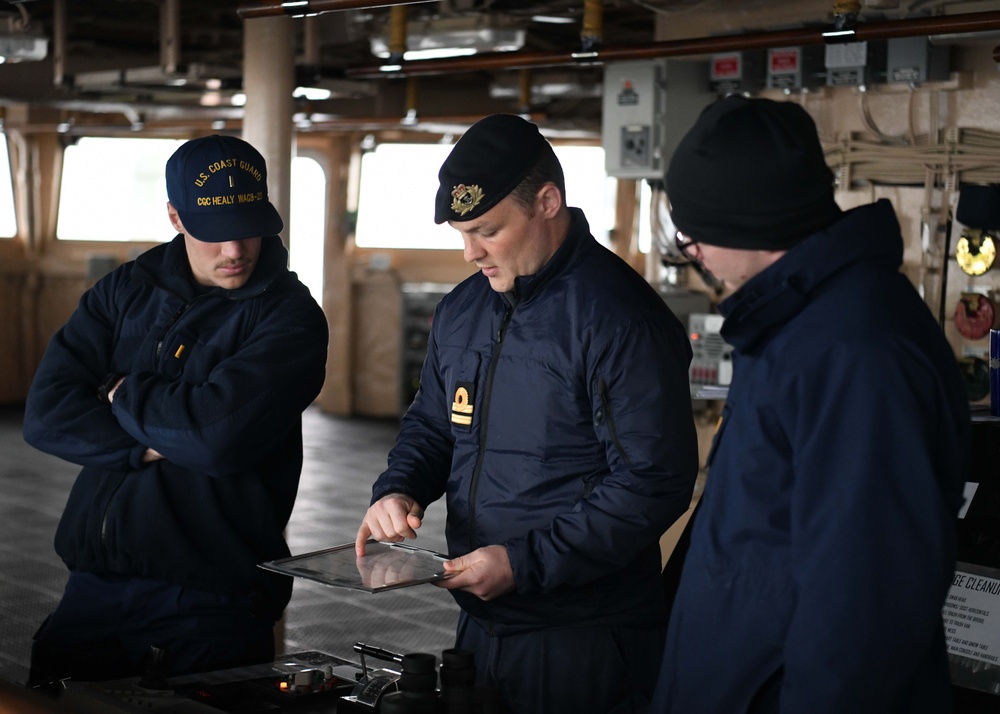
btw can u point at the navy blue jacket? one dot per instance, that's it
(561, 429)
(217, 382)
(825, 542)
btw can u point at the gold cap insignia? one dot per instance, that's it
(461, 408)
(465, 198)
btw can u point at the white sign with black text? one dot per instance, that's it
(972, 615)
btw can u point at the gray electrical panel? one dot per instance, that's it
(915, 59)
(648, 107)
(855, 64)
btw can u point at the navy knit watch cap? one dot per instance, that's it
(218, 186)
(751, 174)
(486, 164)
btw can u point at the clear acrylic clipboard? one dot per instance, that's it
(384, 566)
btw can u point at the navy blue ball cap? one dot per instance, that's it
(218, 186)
(486, 164)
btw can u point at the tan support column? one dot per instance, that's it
(269, 80)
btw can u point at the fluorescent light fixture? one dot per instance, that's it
(316, 94)
(839, 35)
(318, 88)
(454, 37)
(210, 99)
(553, 19)
(439, 53)
(22, 48)
(547, 85)
(239, 99)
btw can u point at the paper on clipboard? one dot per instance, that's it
(384, 566)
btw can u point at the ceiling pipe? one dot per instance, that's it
(955, 24)
(170, 36)
(524, 90)
(59, 33)
(592, 32)
(397, 33)
(300, 8)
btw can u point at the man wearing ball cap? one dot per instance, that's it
(178, 385)
(554, 415)
(824, 545)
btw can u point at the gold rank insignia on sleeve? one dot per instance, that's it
(465, 198)
(461, 408)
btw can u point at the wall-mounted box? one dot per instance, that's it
(795, 68)
(737, 72)
(648, 106)
(855, 64)
(915, 60)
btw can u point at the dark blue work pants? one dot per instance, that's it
(104, 626)
(584, 670)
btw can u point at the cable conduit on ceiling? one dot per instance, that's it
(965, 23)
(301, 8)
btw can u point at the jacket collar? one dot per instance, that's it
(772, 297)
(166, 266)
(577, 241)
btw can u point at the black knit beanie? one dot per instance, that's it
(750, 174)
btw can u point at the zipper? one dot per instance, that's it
(484, 426)
(166, 328)
(104, 515)
(602, 392)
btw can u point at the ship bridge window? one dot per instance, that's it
(8, 221)
(306, 223)
(398, 184)
(113, 189)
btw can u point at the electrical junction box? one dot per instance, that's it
(712, 357)
(648, 107)
(915, 59)
(737, 72)
(794, 68)
(855, 64)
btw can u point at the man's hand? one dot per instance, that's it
(390, 519)
(111, 392)
(151, 455)
(485, 572)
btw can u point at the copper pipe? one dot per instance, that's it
(592, 32)
(411, 95)
(847, 7)
(444, 122)
(954, 24)
(397, 32)
(298, 8)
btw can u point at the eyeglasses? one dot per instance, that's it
(684, 243)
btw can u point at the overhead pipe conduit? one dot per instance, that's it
(301, 8)
(859, 32)
(953, 24)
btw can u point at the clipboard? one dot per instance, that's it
(384, 566)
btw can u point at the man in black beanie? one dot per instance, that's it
(824, 544)
(554, 415)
